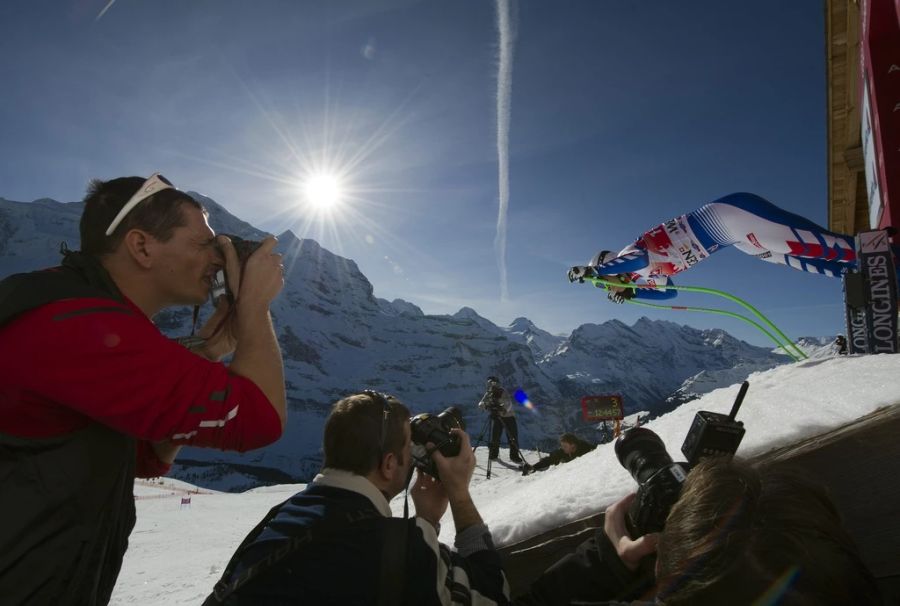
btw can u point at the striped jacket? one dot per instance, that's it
(342, 566)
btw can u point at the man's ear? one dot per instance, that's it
(389, 466)
(139, 246)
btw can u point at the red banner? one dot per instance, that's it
(880, 103)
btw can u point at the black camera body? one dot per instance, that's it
(493, 404)
(659, 479)
(426, 427)
(712, 434)
(243, 248)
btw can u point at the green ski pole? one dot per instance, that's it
(787, 341)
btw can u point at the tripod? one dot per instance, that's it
(495, 417)
(480, 439)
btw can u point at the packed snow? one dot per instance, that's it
(178, 549)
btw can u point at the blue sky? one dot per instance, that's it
(624, 114)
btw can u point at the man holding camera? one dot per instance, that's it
(93, 395)
(336, 543)
(498, 403)
(736, 535)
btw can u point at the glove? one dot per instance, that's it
(526, 469)
(617, 297)
(579, 273)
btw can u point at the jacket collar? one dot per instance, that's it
(346, 480)
(92, 270)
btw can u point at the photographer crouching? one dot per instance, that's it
(710, 531)
(335, 542)
(498, 403)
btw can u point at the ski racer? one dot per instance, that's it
(746, 221)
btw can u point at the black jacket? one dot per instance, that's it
(67, 501)
(340, 560)
(592, 575)
(559, 455)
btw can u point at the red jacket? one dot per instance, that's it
(74, 361)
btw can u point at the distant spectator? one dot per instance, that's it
(498, 403)
(570, 447)
(840, 345)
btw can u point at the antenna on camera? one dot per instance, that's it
(739, 400)
(714, 434)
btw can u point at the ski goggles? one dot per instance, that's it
(156, 183)
(381, 398)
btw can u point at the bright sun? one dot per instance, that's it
(323, 192)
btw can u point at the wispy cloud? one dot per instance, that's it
(105, 8)
(507, 31)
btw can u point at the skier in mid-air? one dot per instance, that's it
(746, 221)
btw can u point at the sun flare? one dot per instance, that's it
(322, 192)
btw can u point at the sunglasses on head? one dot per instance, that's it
(156, 183)
(382, 399)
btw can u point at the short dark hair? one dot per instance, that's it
(352, 439)
(158, 215)
(738, 533)
(569, 438)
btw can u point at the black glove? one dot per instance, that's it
(621, 297)
(526, 469)
(579, 273)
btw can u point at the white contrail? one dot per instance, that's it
(506, 29)
(105, 8)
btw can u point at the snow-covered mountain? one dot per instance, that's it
(541, 342)
(338, 338)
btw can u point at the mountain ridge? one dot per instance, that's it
(337, 337)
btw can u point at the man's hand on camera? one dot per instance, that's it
(232, 263)
(263, 276)
(429, 497)
(630, 551)
(218, 331)
(456, 472)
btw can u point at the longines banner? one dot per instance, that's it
(876, 262)
(855, 306)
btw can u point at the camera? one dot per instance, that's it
(659, 479)
(243, 248)
(644, 455)
(492, 403)
(426, 427)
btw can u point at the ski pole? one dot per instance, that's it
(712, 291)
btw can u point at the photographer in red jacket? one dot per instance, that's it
(92, 394)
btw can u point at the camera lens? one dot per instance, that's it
(435, 429)
(642, 453)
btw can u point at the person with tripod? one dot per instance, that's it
(498, 403)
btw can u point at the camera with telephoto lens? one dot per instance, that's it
(659, 479)
(425, 428)
(243, 248)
